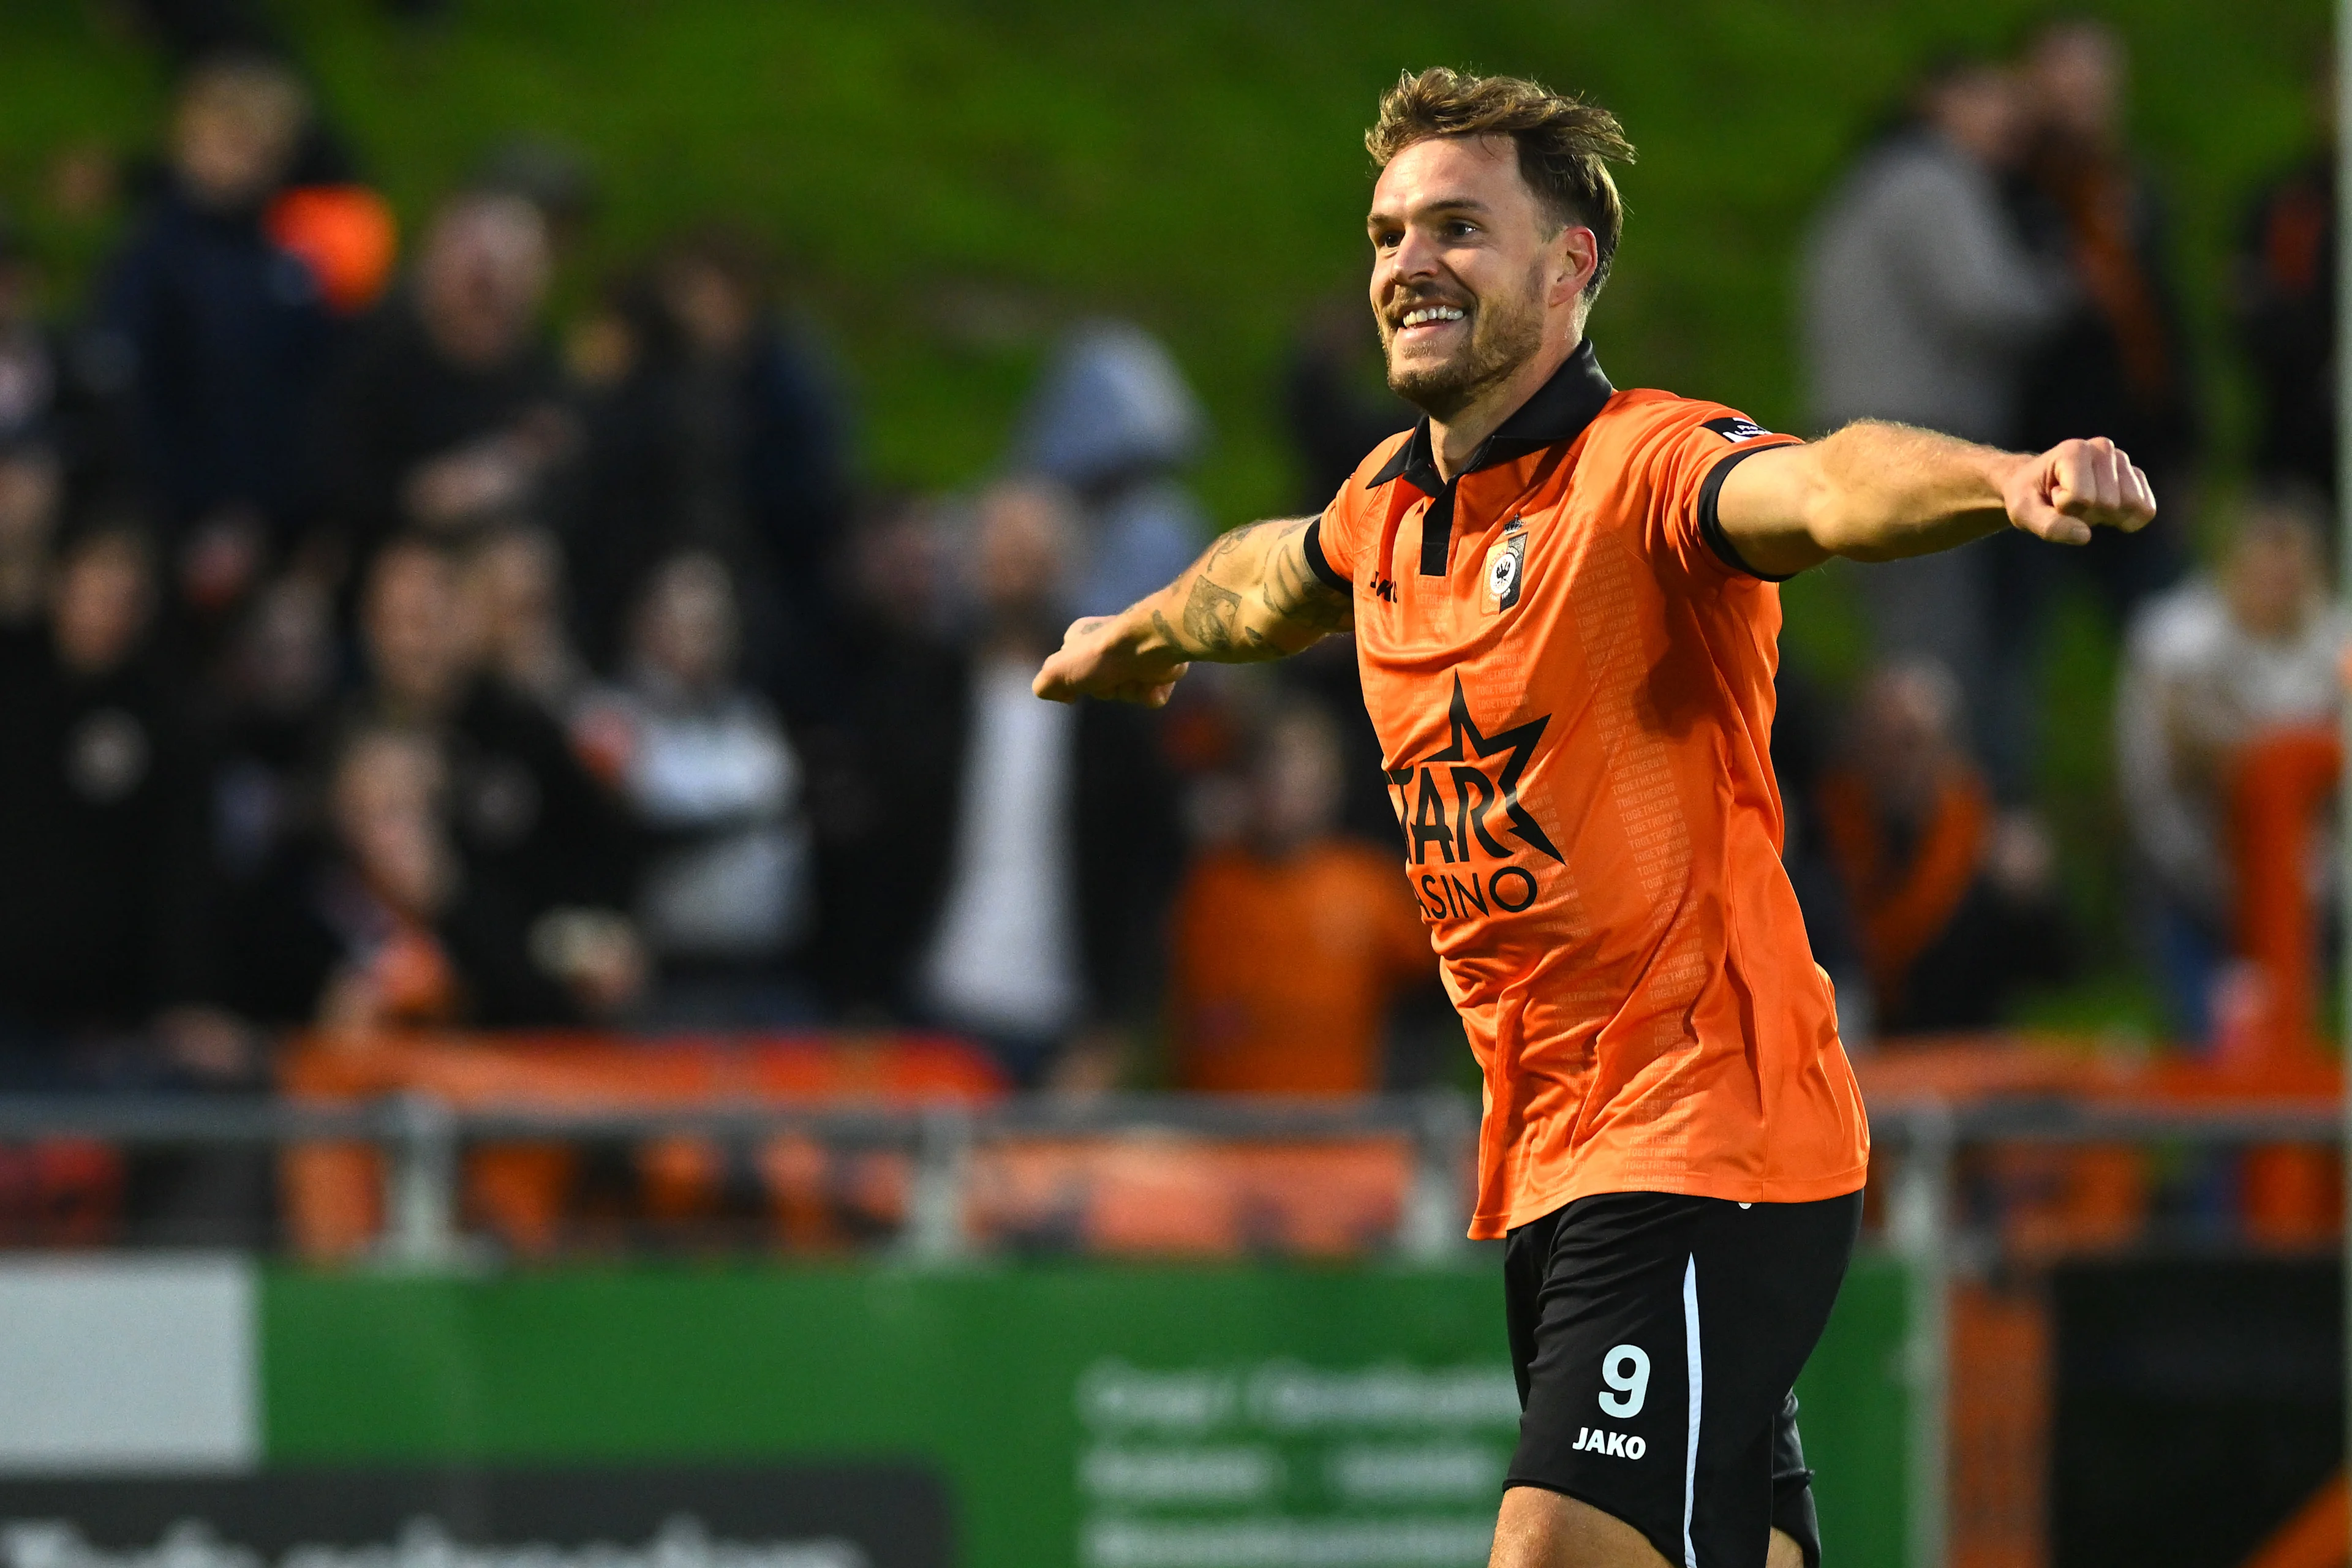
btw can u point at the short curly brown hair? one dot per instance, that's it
(1565, 144)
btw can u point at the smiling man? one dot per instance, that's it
(1565, 614)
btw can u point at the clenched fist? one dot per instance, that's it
(1113, 656)
(2075, 487)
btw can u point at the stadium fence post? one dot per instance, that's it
(1919, 1222)
(1430, 1232)
(420, 1183)
(936, 1230)
(2343, 87)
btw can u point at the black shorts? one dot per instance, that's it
(1655, 1338)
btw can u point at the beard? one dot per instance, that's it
(1505, 333)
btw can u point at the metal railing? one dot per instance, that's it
(422, 1138)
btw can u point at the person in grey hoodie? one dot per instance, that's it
(1114, 422)
(1920, 303)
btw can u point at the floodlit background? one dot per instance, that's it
(555, 988)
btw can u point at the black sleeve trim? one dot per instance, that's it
(1710, 525)
(1316, 563)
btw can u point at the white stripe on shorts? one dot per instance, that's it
(1698, 1385)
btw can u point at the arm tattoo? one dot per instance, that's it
(1211, 615)
(1296, 594)
(1227, 543)
(1259, 620)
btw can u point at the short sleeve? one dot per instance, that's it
(1335, 577)
(1686, 463)
(1335, 541)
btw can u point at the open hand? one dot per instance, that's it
(1101, 656)
(2077, 486)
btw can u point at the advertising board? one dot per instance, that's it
(737, 1415)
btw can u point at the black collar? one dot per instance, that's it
(1557, 411)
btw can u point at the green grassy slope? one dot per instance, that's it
(954, 179)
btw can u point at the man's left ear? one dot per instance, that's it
(1580, 254)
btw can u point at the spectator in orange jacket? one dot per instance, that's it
(1956, 901)
(1291, 940)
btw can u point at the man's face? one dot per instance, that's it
(1906, 719)
(230, 144)
(2268, 577)
(30, 489)
(482, 276)
(1023, 550)
(418, 639)
(687, 628)
(285, 655)
(708, 306)
(2077, 74)
(1983, 111)
(385, 803)
(104, 596)
(515, 582)
(1470, 275)
(1297, 783)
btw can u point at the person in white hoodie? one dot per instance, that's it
(2252, 645)
(724, 899)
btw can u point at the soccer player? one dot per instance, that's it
(1565, 614)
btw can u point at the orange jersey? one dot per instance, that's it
(1284, 968)
(1571, 677)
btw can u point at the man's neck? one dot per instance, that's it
(1455, 440)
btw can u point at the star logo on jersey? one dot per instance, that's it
(1421, 788)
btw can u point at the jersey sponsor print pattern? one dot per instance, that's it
(1570, 672)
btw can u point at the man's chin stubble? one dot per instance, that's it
(1443, 391)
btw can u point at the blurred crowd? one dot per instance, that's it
(1998, 264)
(374, 656)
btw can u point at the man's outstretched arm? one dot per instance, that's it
(1878, 493)
(1252, 597)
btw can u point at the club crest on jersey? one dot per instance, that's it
(1507, 571)
(1735, 428)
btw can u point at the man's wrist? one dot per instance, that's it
(1148, 633)
(2002, 471)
